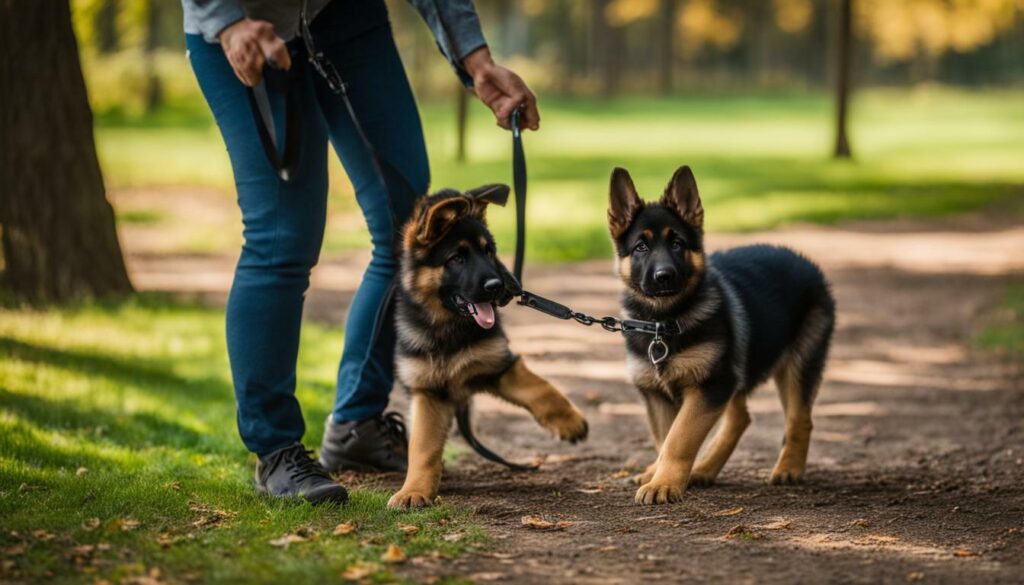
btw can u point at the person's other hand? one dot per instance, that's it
(249, 44)
(501, 90)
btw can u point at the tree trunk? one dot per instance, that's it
(666, 46)
(844, 56)
(58, 235)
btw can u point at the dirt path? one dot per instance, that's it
(917, 464)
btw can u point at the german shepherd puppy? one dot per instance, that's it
(744, 315)
(450, 341)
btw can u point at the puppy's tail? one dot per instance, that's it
(466, 430)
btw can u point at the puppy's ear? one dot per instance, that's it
(485, 195)
(623, 202)
(682, 196)
(440, 217)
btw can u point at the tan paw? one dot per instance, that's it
(646, 476)
(702, 477)
(786, 475)
(568, 425)
(657, 492)
(406, 499)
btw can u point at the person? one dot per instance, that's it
(229, 42)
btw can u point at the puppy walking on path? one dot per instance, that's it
(744, 315)
(450, 341)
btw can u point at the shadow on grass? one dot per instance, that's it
(140, 375)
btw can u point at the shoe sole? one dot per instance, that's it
(343, 499)
(343, 464)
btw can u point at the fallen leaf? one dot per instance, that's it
(536, 522)
(393, 554)
(173, 485)
(860, 523)
(129, 524)
(743, 533)
(729, 512)
(779, 524)
(359, 571)
(15, 550)
(42, 535)
(453, 537)
(963, 553)
(914, 576)
(165, 540)
(287, 540)
(7, 567)
(81, 471)
(486, 576)
(344, 528)
(27, 487)
(409, 529)
(90, 524)
(83, 550)
(622, 474)
(594, 490)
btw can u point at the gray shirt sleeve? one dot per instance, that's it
(209, 17)
(456, 28)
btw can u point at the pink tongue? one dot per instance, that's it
(484, 314)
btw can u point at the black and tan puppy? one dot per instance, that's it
(450, 341)
(745, 315)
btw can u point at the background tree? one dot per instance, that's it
(844, 56)
(58, 235)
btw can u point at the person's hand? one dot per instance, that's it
(501, 90)
(248, 45)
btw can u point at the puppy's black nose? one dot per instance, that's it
(492, 285)
(664, 275)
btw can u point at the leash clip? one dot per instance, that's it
(657, 351)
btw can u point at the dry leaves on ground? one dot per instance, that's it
(359, 571)
(964, 553)
(539, 523)
(90, 524)
(728, 512)
(288, 540)
(344, 528)
(742, 532)
(393, 554)
(409, 529)
(81, 471)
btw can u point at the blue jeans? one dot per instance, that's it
(284, 221)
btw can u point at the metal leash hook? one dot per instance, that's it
(653, 348)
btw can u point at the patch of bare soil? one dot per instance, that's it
(916, 470)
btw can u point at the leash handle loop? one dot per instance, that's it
(519, 185)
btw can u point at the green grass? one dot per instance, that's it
(761, 160)
(117, 414)
(1006, 334)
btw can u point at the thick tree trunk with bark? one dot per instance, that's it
(56, 227)
(666, 46)
(844, 56)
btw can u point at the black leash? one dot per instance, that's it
(519, 185)
(657, 351)
(286, 83)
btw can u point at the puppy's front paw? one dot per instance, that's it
(658, 492)
(406, 499)
(702, 477)
(783, 475)
(568, 425)
(646, 476)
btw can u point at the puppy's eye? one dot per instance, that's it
(641, 246)
(677, 246)
(455, 259)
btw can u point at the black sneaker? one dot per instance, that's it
(292, 471)
(375, 444)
